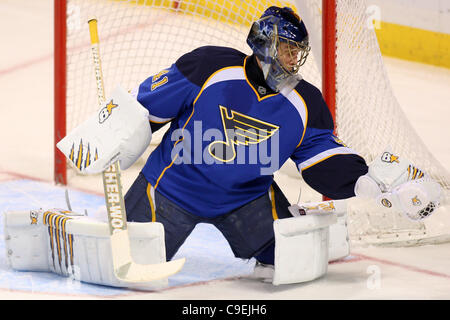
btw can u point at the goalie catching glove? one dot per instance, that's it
(394, 183)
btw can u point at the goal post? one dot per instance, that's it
(141, 37)
(60, 80)
(329, 55)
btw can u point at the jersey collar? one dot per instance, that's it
(255, 78)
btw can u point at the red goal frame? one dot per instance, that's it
(60, 80)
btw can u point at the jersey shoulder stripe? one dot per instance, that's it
(296, 99)
(319, 115)
(198, 65)
(323, 156)
(225, 74)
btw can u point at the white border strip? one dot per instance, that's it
(156, 119)
(233, 73)
(323, 155)
(297, 101)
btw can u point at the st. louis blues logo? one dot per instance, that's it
(239, 130)
(106, 111)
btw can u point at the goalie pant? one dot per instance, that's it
(248, 229)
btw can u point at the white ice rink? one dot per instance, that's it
(26, 171)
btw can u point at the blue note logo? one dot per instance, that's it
(239, 129)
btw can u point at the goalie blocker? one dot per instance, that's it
(73, 245)
(119, 131)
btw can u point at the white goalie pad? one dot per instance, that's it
(339, 246)
(76, 246)
(301, 247)
(119, 131)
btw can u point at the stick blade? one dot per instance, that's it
(132, 272)
(128, 271)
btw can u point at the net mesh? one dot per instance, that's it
(369, 118)
(139, 38)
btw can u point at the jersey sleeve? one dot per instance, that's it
(325, 162)
(172, 91)
(166, 95)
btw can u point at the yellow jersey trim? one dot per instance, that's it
(274, 209)
(323, 159)
(150, 200)
(254, 90)
(306, 120)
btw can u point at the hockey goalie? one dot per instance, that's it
(234, 120)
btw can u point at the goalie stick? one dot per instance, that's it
(125, 268)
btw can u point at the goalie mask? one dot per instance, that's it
(280, 41)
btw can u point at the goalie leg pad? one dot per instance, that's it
(339, 239)
(339, 246)
(75, 246)
(301, 248)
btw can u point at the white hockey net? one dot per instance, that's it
(139, 38)
(369, 118)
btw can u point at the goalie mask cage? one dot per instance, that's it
(141, 37)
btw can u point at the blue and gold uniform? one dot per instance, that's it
(229, 132)
(213, 88)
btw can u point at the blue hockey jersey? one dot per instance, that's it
(229, 133)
